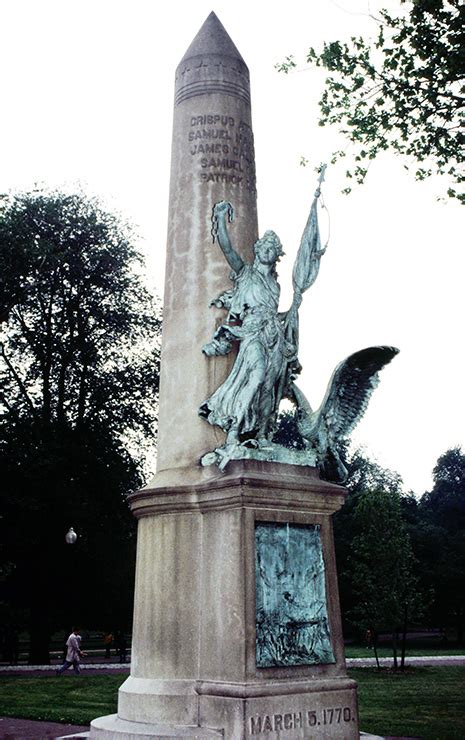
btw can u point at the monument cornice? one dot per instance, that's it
(283, 487)
(253, 689)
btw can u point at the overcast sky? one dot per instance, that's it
(87, 93)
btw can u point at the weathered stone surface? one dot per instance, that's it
(107, 728)
(325, 712)
(212, 160)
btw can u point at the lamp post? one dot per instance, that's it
(71, 536)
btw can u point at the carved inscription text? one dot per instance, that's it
(223, 149)
(260, 724)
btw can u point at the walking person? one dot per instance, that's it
(121, 645)
(73, 653)
(108, 642)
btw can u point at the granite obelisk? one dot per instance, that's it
(212, 160)
(201, 665)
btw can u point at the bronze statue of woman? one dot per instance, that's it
(245, 406)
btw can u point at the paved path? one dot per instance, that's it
(97, 668)
(49, 670)
(17, 729)
(414, 660)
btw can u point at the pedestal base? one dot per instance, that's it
(320, 709)
(112, 727)
(210, 656)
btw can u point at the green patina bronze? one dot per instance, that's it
(246, 405)
(291, 614)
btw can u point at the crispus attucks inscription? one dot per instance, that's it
(223, 149)
(246, 405)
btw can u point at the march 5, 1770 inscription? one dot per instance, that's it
(291, 614)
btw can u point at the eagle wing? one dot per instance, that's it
(350, 390)
(344, 404)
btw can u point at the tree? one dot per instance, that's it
(364, 474)
(79, 366)
(287, 431)
(403, 91)
(382, 564)
(440, 540)
(446, 501)
(364, 477)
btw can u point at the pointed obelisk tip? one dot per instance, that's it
(212, 38)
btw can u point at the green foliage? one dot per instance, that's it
(286, 66)
(376, 567)
(384, 536)
(440, 540)
(446, 502)
(364, 474)
(79, 365)
(403, 91)
(383, 578)
(287, 432)
(78, 317)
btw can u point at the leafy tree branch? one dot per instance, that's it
(403, 91)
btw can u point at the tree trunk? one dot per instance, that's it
(394, 648)
(375, 646)
(404, 641)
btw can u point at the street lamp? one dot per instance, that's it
(71, 536)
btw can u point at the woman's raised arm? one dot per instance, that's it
(222, 211)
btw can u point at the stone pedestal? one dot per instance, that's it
(193, 671)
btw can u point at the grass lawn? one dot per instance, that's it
(67, 698)
(425, 702)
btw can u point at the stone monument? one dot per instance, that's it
(237, 630)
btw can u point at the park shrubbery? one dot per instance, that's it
(401, 559)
